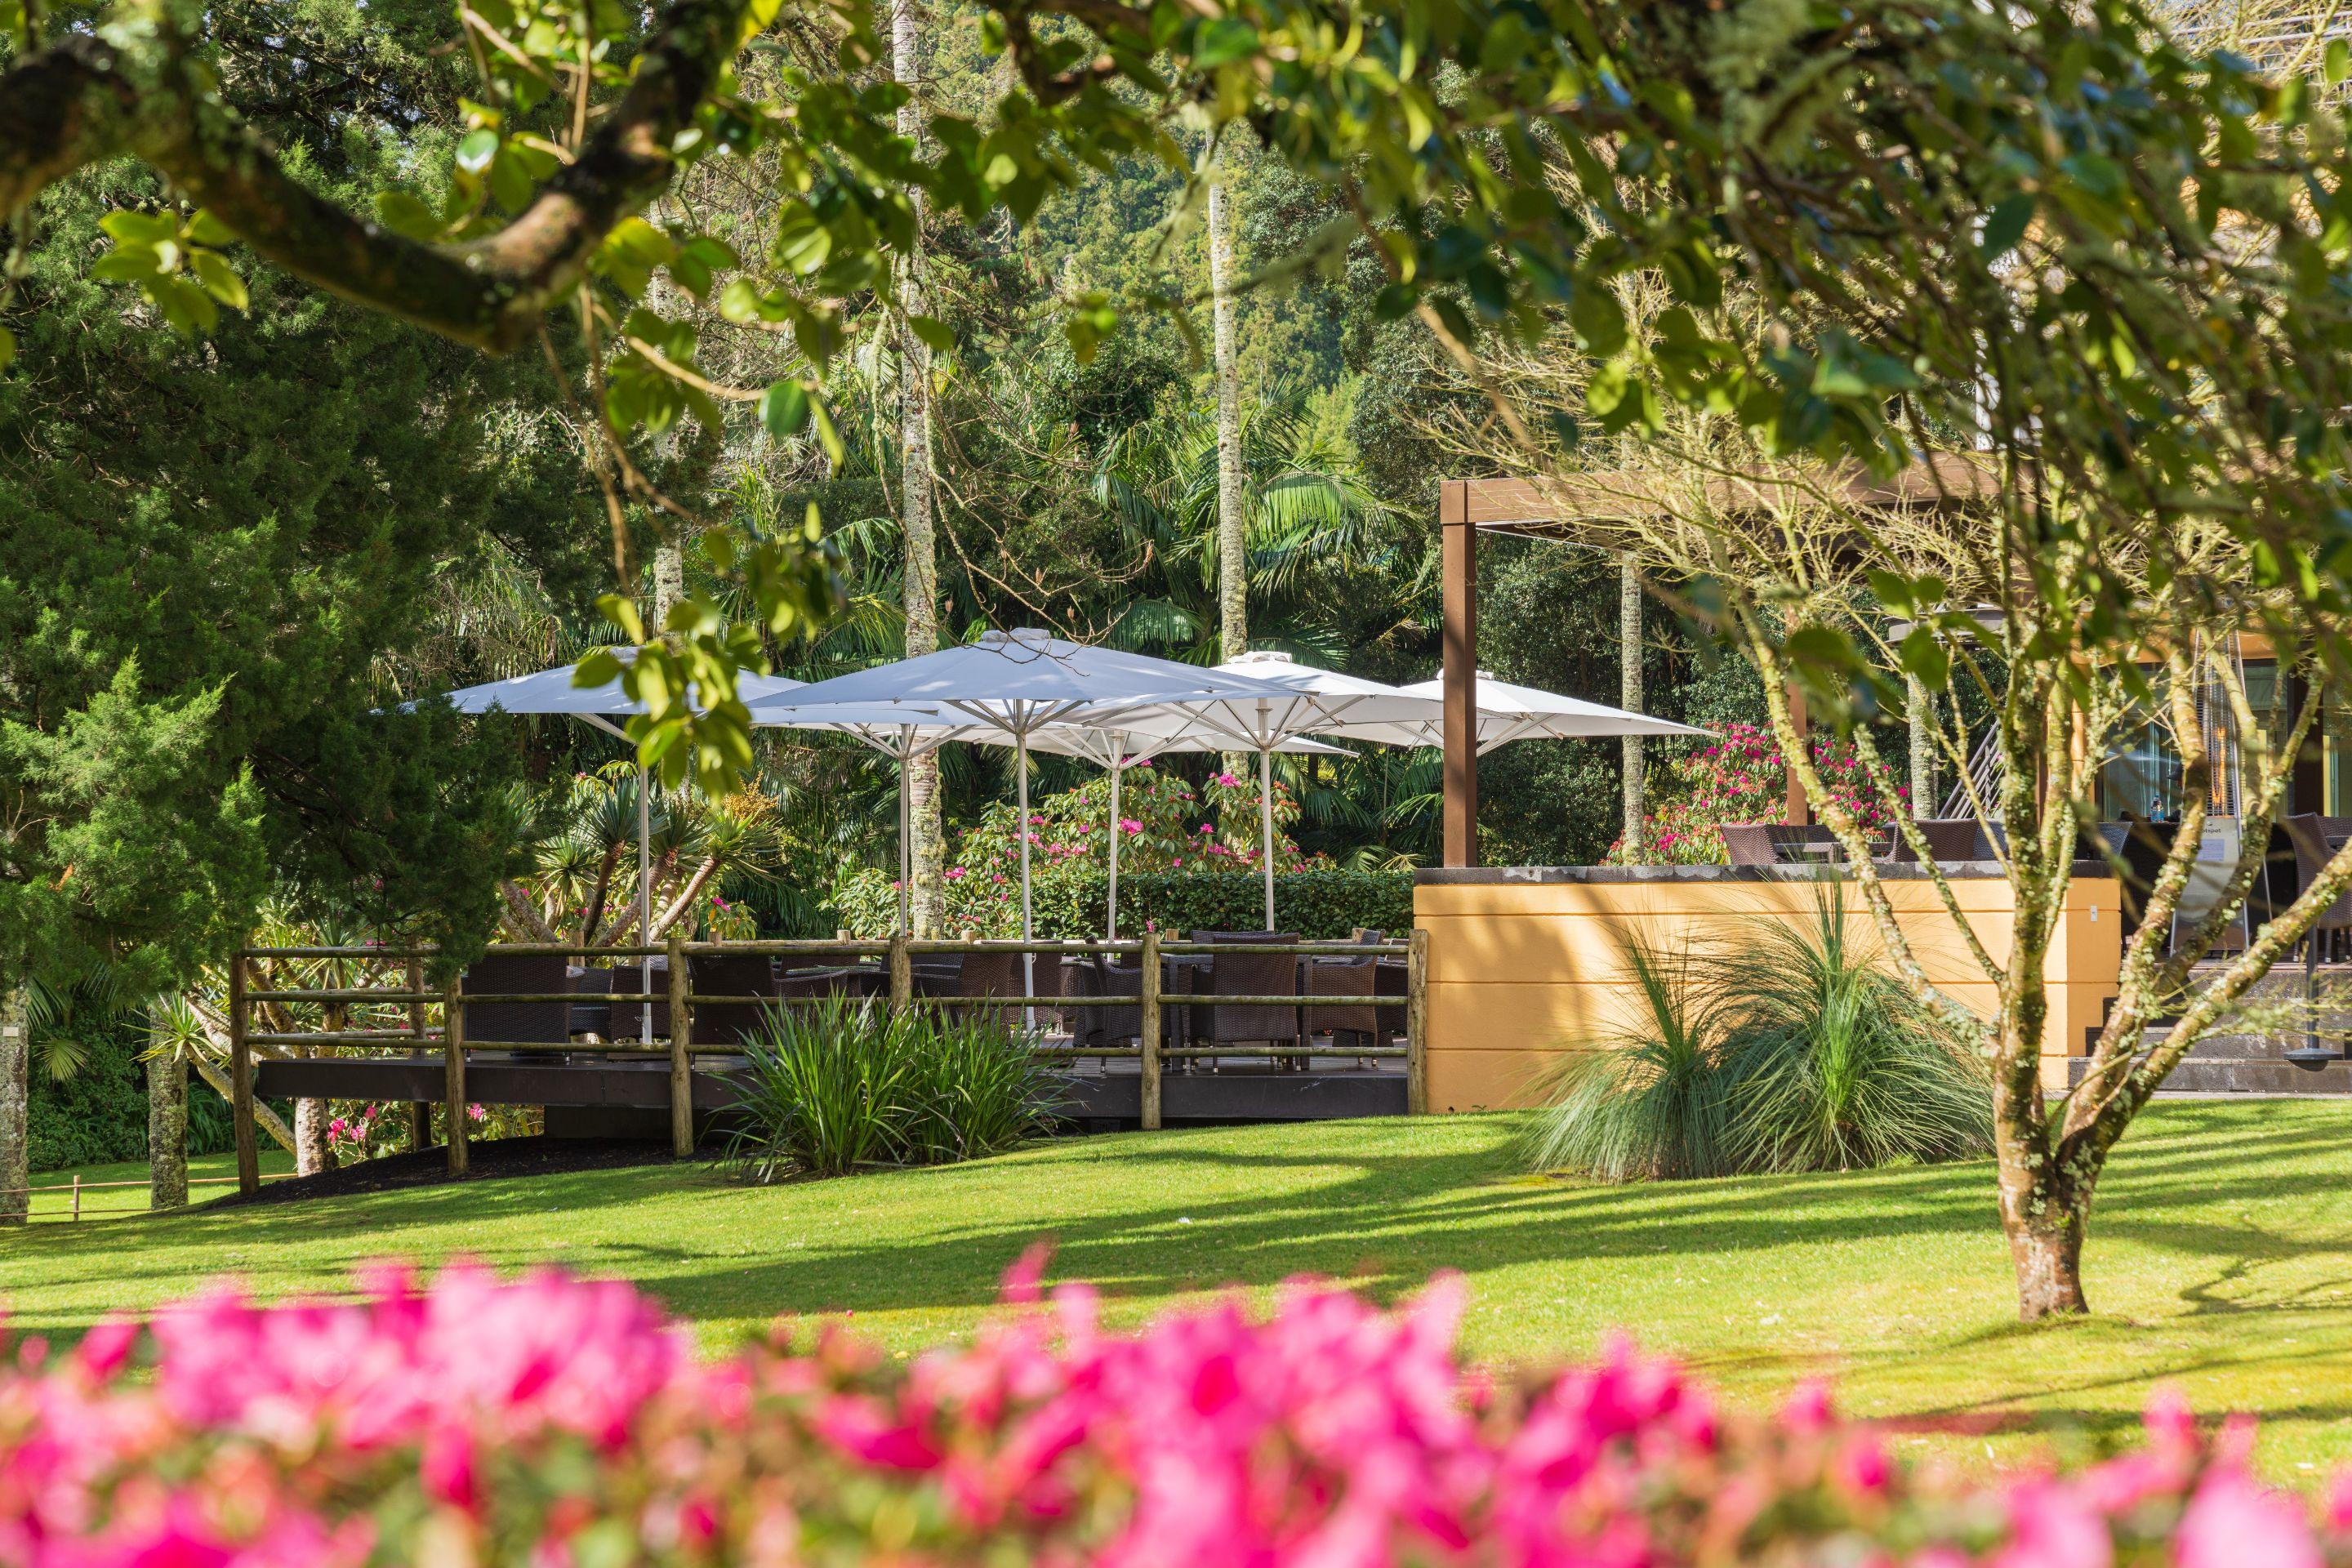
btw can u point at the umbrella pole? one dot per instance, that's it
(906, 852)
(1028, 959)
(1265, 825)
(645, 905)
(1117, 757)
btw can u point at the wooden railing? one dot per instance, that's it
(1151, 1051)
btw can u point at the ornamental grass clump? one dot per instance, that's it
(842, 1083)
(1788, 1047)
(550, 1421)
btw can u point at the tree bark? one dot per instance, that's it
(1233, 539)
(1923, 748)
(1629, 697)
(312, 1154)
(167, 1131)
(916, 525)
(16, 1100)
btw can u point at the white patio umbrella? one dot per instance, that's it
(1508, 712)
(552, 691)
(1024, 683)
(1306, 702)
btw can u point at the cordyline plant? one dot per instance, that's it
(554, 1421)
(2122, 258)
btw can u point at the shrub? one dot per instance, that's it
(551, 1421)
(1651, 1102)
(99, 1115)
(1073, 904)
(842, 1083)
(1187, 858)
(1741, 778)
(1835, 1064)
(1788, 1049)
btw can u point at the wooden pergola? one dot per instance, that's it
(1553, 510)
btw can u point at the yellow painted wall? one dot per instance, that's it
(1522, 972)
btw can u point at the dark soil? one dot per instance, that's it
(485, 1162)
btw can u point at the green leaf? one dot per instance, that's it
(827, 436)
(1222, 41)
(1599, 319)
(7, 348)
(933, 332)
(474, 153)
(2005, 226)
(785, 409)
(127, 267)
(622, 611)
(218, 278)
(136, 228)
(204, 228)
(405, 214)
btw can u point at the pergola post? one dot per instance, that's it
(1458, 561)
(1800, 809)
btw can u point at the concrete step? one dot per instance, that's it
(2248, 1076)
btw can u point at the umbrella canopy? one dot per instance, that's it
(552, 691)
(1023, 682)
(1306, 700)
(1508, 712)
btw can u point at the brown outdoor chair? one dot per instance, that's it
(1750, 843)
(1077, 975)
(2143, 846)
(1358, 1024)
(1949, 839)
(1235, 971)
(591, 1016)
(522, 1022)
(990, 975)
(1790, 839)
(730, 1024)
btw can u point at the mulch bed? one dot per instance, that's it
(485, 1162)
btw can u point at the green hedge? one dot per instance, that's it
(100, 1115)
(1071, 904)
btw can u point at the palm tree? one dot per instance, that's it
(1310, 517)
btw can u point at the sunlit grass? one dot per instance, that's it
(2221, 1259)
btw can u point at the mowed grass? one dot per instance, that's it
(2220, 1261)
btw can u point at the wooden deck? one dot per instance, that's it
(1241, 1090)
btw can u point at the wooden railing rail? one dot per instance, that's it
(898, 955)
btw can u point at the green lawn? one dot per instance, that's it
(2220, 1261)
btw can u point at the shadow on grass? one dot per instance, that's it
(1153, 1215)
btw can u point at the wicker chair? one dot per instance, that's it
(990, 975)
(1750, 843)
(730, 1024)
(590, 1016)
(1949, 839)
(1235, 971)
(1358, 1024)
(1077, 975)
(522, 1022)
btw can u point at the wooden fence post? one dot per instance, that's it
(453, 1093)
(681, 1034)
(240, 1079)
(77, 1196)
(1149, 999)
(1416, 1024)
(420, 1115)
(902, 973)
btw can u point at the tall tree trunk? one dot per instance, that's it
(1629, 697)
(669, 573)
(1232, 539)
(917, 526)
(15, 1099)
(167, 1129)
(1923, 747)
(312, 1154)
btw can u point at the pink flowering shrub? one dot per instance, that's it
(564, 1423)
(1741, 778)
(1165, 826)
